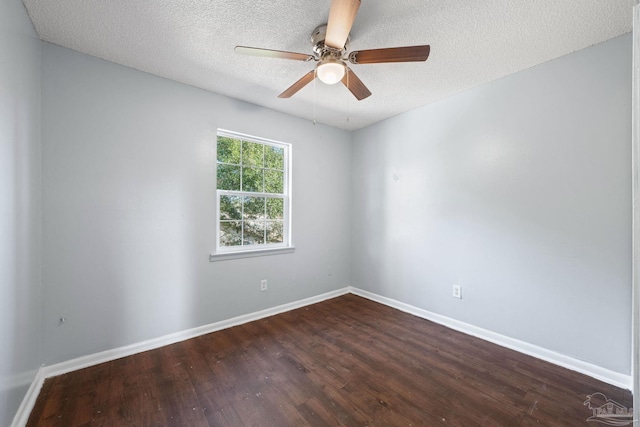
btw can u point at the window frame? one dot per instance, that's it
(241, 251)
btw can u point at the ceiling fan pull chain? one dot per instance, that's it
(348, 72)
(315, 74)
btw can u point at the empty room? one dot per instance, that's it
(334, 212)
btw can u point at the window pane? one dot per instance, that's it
(275, 232)
(275, 208)
(228, 150)
(230, 207)
(252, 154)
(273, 181)
(273, 157)
(251, 192)
(253, 232)
(230, 233)
(228, 177)
(254, 207)
(252, 179)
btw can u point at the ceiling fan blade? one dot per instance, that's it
(392, 54)
(269, 53)
(341, 17)
(305, 80)
(355, 85)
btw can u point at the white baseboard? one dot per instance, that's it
(45, 372)
(597, 372)
(22, 415)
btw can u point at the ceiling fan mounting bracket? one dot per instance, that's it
(317, 41)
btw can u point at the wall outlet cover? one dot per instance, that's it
(457, 291)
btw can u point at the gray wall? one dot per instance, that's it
(520, 191)
(128, 207)
(19, 206)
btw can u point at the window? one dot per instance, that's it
(252, 191)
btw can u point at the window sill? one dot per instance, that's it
(249, 254)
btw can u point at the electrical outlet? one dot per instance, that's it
(457, 291)
(263, 285)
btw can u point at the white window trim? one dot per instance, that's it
(233, 252)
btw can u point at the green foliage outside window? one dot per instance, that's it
(250, 167)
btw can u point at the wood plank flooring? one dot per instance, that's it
(346, 361)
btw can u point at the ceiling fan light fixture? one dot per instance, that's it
(330, 71)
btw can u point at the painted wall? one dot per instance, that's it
(19, 206)
(128, 207)
(518, 190)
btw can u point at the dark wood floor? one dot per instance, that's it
(346, 361)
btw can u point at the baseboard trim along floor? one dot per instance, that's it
(61, 368)
(594, 371)
(597, 372)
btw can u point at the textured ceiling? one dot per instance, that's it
(191, 41)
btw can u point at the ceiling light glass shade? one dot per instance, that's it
(331, 71)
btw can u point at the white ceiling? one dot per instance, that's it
(191, 41)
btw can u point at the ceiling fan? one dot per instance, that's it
(330, 52)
